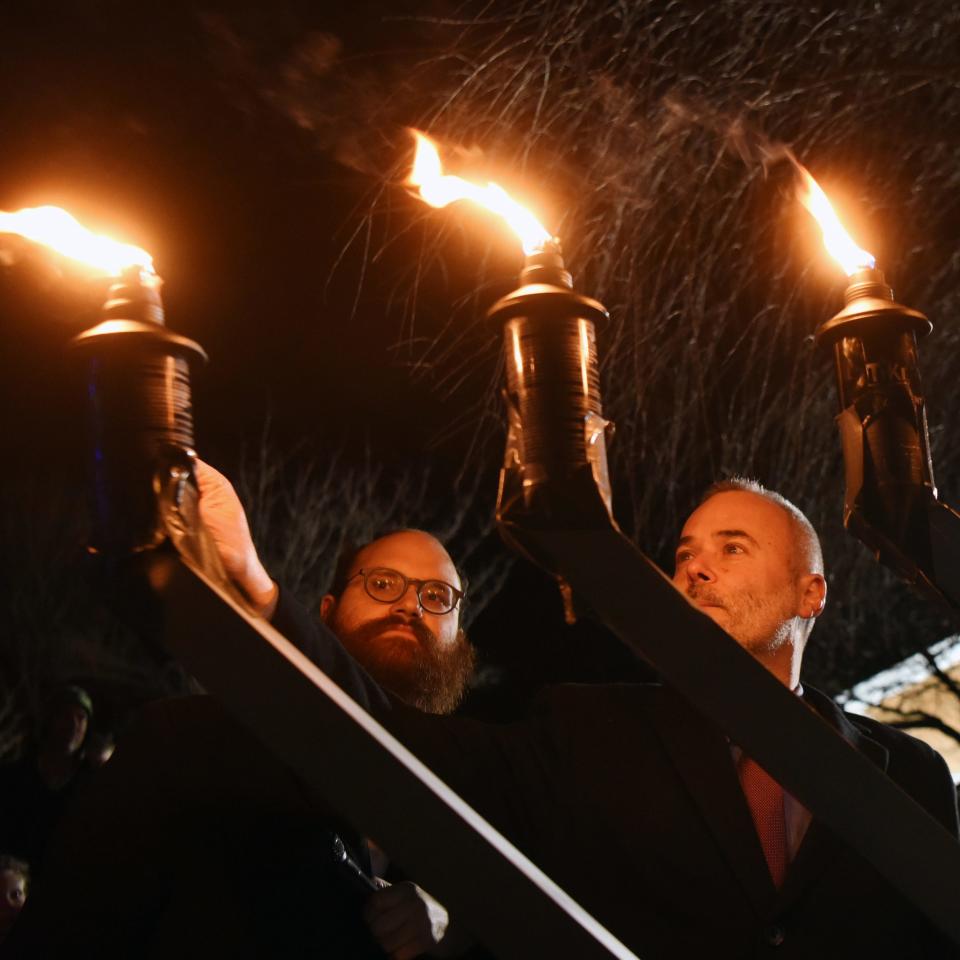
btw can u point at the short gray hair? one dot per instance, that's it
(809, 555)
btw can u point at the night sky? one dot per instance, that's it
(254, 151)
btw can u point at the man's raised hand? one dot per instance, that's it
(222, 515)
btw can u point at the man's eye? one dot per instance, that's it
(733, 548)
(384, 582)
(683, 557)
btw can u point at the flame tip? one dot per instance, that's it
(439, 190)
(61, 231)
(840, 245)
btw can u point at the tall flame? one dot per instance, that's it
(838, 242)
(439, 189)
(57, 229)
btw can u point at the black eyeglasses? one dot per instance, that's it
(387, 586)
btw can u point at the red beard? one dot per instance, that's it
(417, 669)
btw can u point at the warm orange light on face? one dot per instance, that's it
(838, 242)
(60, 231)
(439, 189)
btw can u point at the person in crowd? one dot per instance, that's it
(394, 603)
(14, 885)
(404, 631)
(35, 789)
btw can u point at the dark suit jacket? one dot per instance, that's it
(630, 800)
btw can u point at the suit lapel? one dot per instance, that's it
(701, 756)
(820, 848)
(843, 725)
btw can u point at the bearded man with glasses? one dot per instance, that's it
(395, 605)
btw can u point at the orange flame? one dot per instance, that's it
(838, 242)
(439, 189)
(60, 231)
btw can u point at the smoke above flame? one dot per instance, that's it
(838, 242)
(439, 189)
(57, 229)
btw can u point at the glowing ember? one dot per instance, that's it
(838, 242)
(58, 230)
(439, 189)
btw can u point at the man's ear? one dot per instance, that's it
(327, 605)
(814, 596)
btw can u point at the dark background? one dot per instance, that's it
(258, 151)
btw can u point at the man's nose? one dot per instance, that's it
(699, 570)
(409, 602)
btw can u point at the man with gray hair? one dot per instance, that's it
(751, 561)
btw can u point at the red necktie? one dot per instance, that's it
(765, 799)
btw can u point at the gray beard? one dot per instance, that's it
(741, 612)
